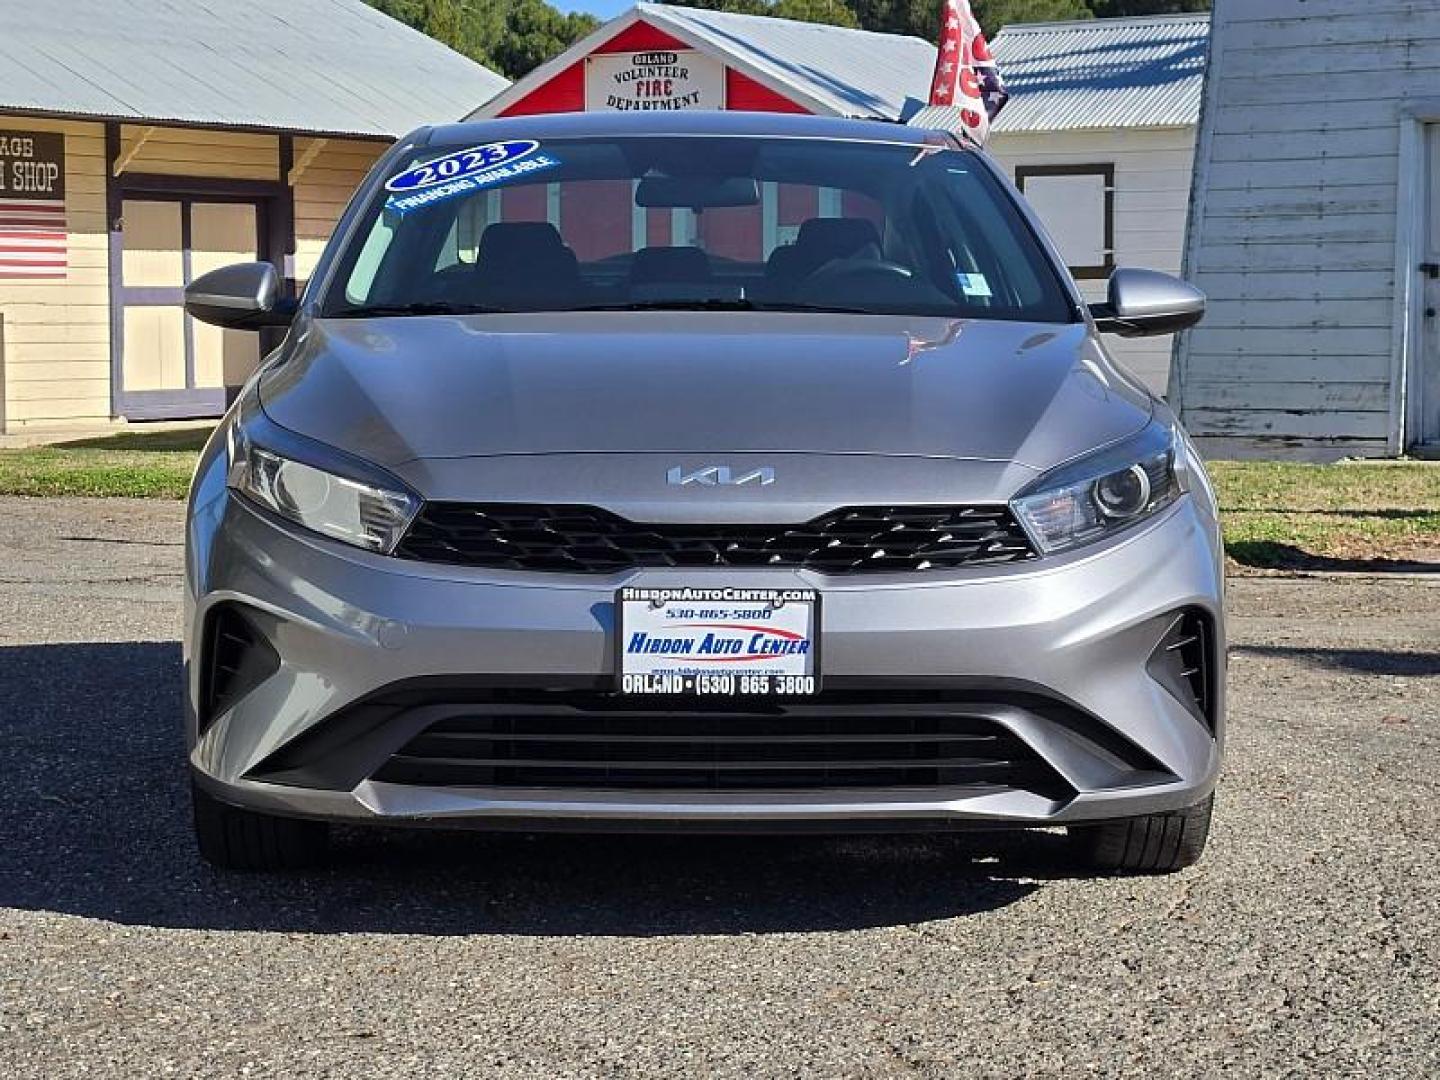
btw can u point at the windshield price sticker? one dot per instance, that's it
(465, 172)
(718, 642)
(470, 162)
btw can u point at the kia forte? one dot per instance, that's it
(701, 472)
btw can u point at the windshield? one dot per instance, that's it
(701, 223)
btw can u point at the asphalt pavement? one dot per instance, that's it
(1306, 943)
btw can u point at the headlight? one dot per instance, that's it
(365, 512)
(1103, 493)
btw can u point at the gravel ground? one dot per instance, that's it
(1305, 943)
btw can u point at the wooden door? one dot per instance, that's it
(152, 268)
(221, 234)
(172, 366)
(1427, 384)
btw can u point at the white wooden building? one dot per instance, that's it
(1316, 232)
(1100, 135)
(144, 142)
(1100, 130)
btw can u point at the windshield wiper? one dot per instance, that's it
(711, 304)
(834, 309)
(377, 311)
(716, 304)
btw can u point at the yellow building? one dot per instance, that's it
(143, 143)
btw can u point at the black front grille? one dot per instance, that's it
(767, 747)
(588, 540)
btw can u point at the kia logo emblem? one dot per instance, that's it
(719, 476)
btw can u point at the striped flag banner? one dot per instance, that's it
(33, 238)
(967, 78)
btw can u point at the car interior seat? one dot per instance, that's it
(665, 265)
(526, 264)
(821, 241)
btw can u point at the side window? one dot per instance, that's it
(461, 245)
(367, 263)
(986, 252)
(1077, 205)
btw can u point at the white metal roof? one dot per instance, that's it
(326, 66)
(833, 70)
(1103, 73)
(854, 72)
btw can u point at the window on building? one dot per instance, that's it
(1077, 205)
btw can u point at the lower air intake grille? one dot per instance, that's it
(768, 748)
(237, 659)
(587, 540)
(1183, 664)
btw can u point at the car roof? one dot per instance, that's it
(688, 122)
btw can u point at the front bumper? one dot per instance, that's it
(1054, 654)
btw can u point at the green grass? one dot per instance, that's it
(174, 441)
(1345, 516)
(1281, 515)
(141, 464)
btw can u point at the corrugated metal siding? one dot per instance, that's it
(334, 66)
(1293, 231)
(1096, 74)
(1105, 73)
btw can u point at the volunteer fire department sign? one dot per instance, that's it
(654, 81)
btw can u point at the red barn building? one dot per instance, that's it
(661, 57)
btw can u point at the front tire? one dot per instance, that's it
(235, 839)
(1153, 844)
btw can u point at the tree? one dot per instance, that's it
(534, 32)
(515, 36)
(836, 12)
(442, 20)
(510, 36)
(921, 18)
(993, 14)
(1106, 9)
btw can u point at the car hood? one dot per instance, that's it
(398, 390)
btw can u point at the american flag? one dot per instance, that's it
(32, 238)
(966, 76)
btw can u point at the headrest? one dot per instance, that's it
(659, 264)
(837, 237)
(507, 240)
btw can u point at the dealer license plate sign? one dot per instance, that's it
(722, 642)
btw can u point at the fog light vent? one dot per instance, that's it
(237, 660)
(1183, 663)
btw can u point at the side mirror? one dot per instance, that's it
(245, 296)
(1145, 302)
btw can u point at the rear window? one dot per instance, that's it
(703, 222)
